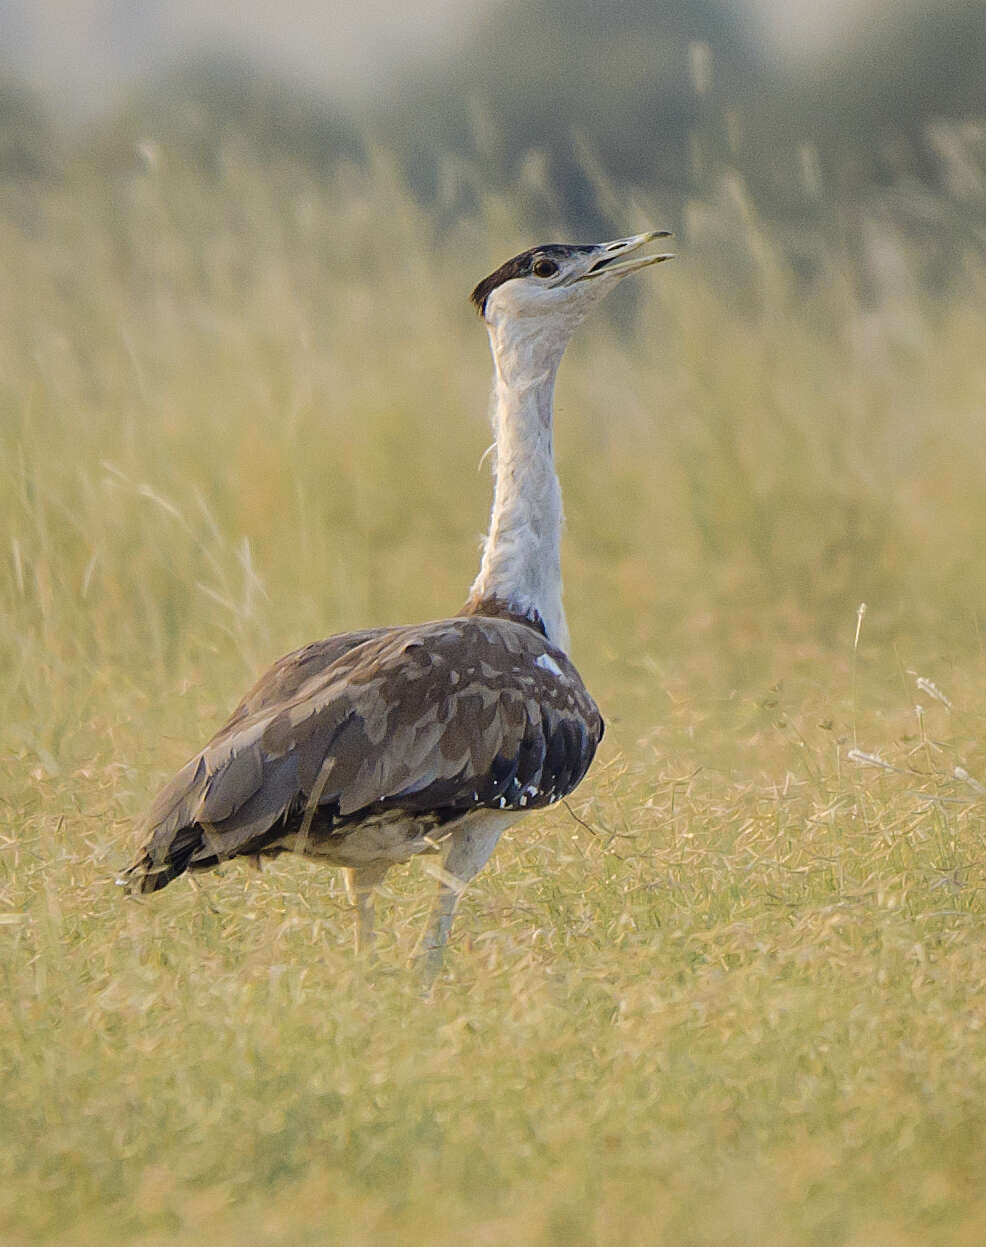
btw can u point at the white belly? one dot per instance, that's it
(390, 837)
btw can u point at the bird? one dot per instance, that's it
(370, 747)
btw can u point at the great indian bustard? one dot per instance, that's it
(370, 747)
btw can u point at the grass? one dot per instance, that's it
(735, 993)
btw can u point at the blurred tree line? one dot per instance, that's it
(567, 95)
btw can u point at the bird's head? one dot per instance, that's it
(554, 286)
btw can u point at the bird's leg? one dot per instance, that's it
(470, 850)
(360, 884)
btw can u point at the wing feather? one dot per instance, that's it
(436, 719)
(289, 674)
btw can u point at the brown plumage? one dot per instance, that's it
(371, 746)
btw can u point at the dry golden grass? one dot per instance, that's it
(736, 993)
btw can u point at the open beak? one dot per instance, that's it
(611, 262)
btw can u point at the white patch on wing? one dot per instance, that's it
(547, 663)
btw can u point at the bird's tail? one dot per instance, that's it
(150, 875)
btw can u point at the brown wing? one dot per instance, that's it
(287, 676)
(436, 719)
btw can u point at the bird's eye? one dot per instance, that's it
(544, 268)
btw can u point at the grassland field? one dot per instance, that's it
(735, 992)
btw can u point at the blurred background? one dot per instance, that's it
(226, 226)
(809, 100)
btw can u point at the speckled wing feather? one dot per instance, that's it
(427, 722)
(287, 676)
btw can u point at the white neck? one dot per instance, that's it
(521, 565)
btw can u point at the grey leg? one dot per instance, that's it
(472, 844)
(360, 884)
